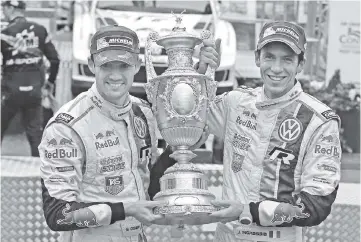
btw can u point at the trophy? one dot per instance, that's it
(180, 99)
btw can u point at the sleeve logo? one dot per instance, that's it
(329, 114)
(64, 117)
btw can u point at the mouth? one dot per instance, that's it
(276, 78)
(115, 84)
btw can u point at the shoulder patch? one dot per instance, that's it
(64, 118)
(329, 114)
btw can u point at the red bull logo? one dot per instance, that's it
(106, 143)
(83, 217)
(99, 136)
(52, 142)
(109, 133)
(246, 123)
(285, 213)
(65, 141)
(246, 113)
(328, 151)
(327, 138)
(61, 153)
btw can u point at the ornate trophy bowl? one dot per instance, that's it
(180, 98)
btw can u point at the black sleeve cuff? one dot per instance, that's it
(254, 212)
(117, 212)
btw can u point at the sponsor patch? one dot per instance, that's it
(324, 167)
(245, 232)
(327, 150)
(330, 139)
(114, 41)
(61, 153)
(82, 217)
(97, 102)
(64, 168)
(107, 143)
(56, 179)
(109, 164)
(237, 162)
(285, 155)
(140, 127)
(64, 118)
(285, 213)
(114, 184)
(290, 130)
(62, 142)
(320, 180)
(241, 142)
(246, 123)
(329, 114)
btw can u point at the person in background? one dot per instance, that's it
(97, 149)
(23, 46)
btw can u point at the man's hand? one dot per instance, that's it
(210, 54)
(143, 211)
(231, 211)
(47, 89)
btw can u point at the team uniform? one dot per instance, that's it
(281, 156)
(23, 75)
(95, 156)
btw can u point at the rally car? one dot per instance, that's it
(143, 17)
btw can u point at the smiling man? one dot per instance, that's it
(97, 149)
(282, 150)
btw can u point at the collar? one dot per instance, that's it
(113, 111)
(291, 95)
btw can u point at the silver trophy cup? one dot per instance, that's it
(180, 98)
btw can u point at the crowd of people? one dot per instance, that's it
(99, 172)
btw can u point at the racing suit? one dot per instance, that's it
(23, 74)
(281, 157)
(95, 156)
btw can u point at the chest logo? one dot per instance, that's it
(140, 127)
(290, 129)
(114, 185)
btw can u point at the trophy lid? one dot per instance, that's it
(179, 38)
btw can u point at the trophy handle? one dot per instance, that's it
(207, 35)
(152, 37)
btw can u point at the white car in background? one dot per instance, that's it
(144, 17)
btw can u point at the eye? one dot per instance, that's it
(288, 59)
(268, 57)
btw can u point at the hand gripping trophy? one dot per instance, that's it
(180, 98)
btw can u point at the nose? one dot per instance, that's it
(276, 66)
(116, 74)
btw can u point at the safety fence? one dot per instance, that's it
(22, 217)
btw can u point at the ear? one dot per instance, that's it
(257, 58)
(137, 65)
(91, 65)
(300, 66)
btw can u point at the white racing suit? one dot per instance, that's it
(96, 156)
(281, 156)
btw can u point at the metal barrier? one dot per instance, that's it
(22, 215)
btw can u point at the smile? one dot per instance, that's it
(276, 78)
(115, 85)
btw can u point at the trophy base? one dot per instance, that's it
(185, 214)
